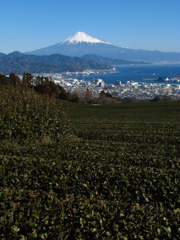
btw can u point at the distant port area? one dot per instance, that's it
(74, 82)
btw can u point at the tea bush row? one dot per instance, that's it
(26, 115)
(115, 175)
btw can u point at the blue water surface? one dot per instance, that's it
(138, 73)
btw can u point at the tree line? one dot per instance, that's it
(46, 86)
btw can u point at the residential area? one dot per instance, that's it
(141, 91)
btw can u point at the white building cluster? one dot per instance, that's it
(130, 89)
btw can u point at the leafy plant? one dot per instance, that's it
(27, 115)
(115, 175)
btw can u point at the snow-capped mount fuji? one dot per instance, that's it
(76, 45)
(81, 44)
(81, 37)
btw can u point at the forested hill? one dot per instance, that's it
(19, 63)
(2, 54)
(111, 61)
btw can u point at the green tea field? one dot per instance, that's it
(114, 174)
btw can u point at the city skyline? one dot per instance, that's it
(149, 25)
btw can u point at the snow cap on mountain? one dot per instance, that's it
(81, 37)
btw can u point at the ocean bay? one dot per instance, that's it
(138, 73)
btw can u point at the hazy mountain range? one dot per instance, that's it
(19, 63)
(81, 44)
(78, 53)
(111, 61)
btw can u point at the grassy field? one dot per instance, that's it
(114, 174)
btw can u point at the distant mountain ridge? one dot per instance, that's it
(81, 44)
(19, 63)
(2, 54)
(111, 61)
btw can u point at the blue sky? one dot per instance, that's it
(27, 25)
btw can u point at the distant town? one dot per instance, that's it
(130, 89)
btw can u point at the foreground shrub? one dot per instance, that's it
(27, 115)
